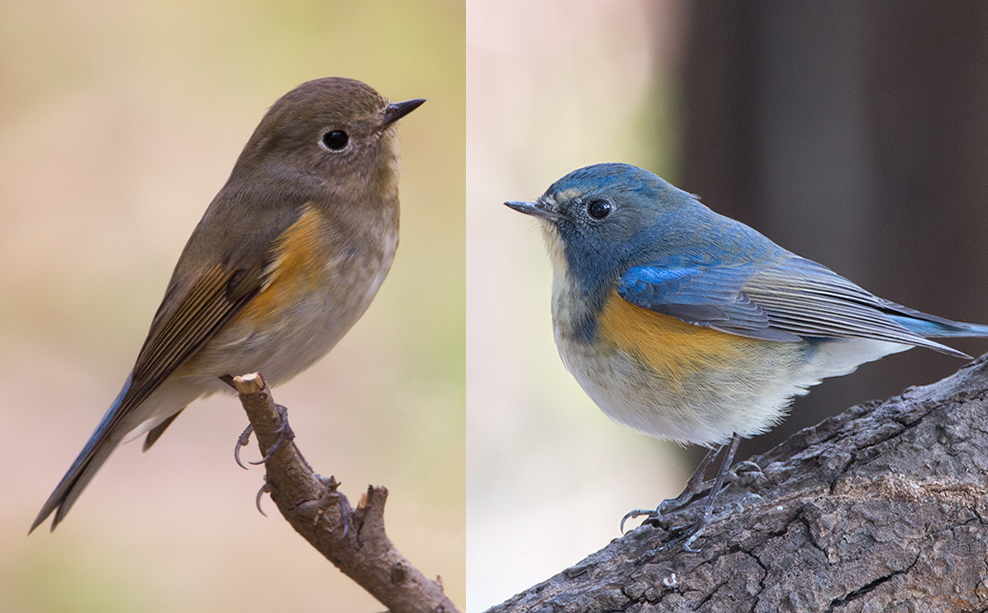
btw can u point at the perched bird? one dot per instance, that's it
(690, 326)
(285, 260)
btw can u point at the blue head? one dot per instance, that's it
(601, 220)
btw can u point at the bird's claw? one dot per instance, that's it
(285, 435)
(242, 441)
(329, 497)
(265, 489)
(746, 474)
(636, 513)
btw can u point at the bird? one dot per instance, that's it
(689, 326)
(286, 258)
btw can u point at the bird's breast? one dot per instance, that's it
(678, 381)
(321, 278)
(317, 263)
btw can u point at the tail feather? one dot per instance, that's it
(99, 447)
(73, 483)
(930, 326)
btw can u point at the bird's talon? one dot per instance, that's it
(747, 474)
(265, 489)
(636, 513)
(285, 435)
(329, 497)
(242, 441)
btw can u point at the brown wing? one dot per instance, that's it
(184, 323)
(188, 317)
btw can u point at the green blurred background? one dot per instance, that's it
(119, 121)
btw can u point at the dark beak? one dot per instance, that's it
(397, 110)
(535, 209)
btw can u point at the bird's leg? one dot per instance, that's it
(244, 439)
(284, 430)
(285, 436)
(693, 487)
(708, 509)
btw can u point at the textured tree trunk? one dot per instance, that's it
(881, 508)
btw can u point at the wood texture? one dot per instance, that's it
(881, 508)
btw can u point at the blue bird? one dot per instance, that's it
(693, 327)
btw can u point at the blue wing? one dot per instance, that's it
(789, 299)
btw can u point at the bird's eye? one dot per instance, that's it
(335, 140)
(599, 209)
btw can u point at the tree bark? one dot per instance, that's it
(881, 508)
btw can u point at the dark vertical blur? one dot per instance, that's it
(855, 134)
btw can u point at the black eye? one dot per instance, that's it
(599, 209)
(335, 140)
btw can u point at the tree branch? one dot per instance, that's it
(883, 507)
(353, 540)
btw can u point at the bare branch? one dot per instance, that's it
(354, 540)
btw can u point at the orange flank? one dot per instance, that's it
(296, 269)
(673, 349)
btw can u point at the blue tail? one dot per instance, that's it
(931, 326)
(97, 450)
(935, 327)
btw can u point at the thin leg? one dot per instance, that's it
(708, 509)
(693, 487)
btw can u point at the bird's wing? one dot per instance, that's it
(790, 299)
(200, 300)
(190, 314)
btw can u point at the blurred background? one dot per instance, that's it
(119, 122)
(855, 134)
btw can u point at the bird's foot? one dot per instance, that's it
(285, 436)
(694, 486)
(242, 441)
(331, 496)
(659, 516)
(746, 474)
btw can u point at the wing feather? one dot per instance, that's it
(788, 300)
(183, 325)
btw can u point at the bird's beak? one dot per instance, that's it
(397, 110)
(535, 209)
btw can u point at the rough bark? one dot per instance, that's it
(881, 508)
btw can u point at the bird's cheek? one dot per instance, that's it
(554, 245)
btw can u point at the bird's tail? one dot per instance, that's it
(931, 326)
(99, 447)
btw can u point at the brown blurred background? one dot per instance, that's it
(855, 134)
(119, 121)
